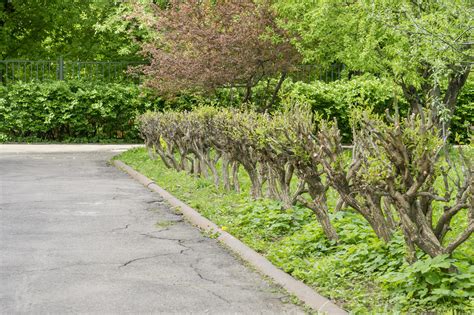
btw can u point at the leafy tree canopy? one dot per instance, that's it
(425, 46)
(37, 29)
(204, 45)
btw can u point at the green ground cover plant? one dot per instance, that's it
(360, 272)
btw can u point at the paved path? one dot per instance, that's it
(79, 236)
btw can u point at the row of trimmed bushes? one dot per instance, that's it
(399, 177)
(60, 110)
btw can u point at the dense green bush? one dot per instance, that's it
(463, 118)
(62, 110)
(336, 99)
(95, 110)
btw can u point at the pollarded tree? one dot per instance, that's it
(204, 45)
(167, 135)
(343, 175)
(407, 163)
(234, 132)
(293, 140)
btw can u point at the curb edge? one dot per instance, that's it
(293, 286)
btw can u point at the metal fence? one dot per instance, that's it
(308, 73)
(117, 71)
(43, 70)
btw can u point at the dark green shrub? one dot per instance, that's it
(62, 110)
(463, 118)
(336, 99)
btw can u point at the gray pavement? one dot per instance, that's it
(79, 236)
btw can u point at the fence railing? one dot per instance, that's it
(117, 71)
(311, 72)
(42, 70)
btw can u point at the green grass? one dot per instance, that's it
(360, 273)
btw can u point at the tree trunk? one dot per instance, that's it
(455, 85)
(340, 204)
(151, 152)
(319, 208)
(256, 187)
(225, 172)
(416, 229)
(248, 92)
(379, 222)
(277, 89)
(411, 250)
(203, 166)
(196, 166)
(328, 228)
(235, 176)
(272, 189)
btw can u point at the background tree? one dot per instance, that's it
(424, 46)
(34, 29)
(204, 45)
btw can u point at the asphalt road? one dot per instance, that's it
(79, 236)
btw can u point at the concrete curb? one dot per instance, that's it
(293, 286)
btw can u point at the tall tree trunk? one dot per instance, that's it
(248, 92)
(277, 89)
(235, 176)
(225, 172)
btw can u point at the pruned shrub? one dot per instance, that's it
(399, 175)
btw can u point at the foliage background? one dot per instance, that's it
(33, 29)
(97, 110)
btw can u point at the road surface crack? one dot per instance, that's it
(196, 270)
(120, 228)
(181, 242)
(143, 258)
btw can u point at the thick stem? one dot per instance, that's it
(203, 166)
(322, 215)
(340, 204)
(272, 190)
(256, 187)
(277, 89)
(455, 85)
(225, 173)
(377, 219)
(248, 92)
(411, 250)
(235, 176)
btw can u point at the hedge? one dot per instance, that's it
(60, 110)
(336, 99)
(94, 110)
